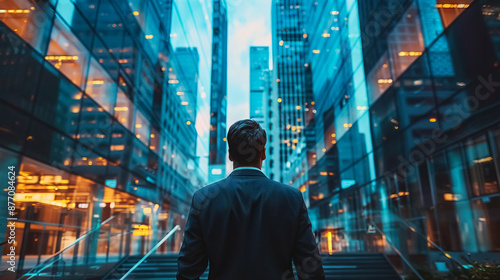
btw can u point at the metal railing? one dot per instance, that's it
(54, 258)
(391, 244)
(167, 236)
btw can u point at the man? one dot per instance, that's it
(248, 226)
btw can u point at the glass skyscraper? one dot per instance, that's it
(104, 110)
(262, 104)
(218, 105)
(291, 75)
(407, 128)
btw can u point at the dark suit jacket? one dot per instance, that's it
(249, 227)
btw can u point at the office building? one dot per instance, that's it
(101, 116)
(218, 105)
(407, 128)
(292, 76)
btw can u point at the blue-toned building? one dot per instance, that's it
(291, 75)
(407, 128)
(104, 112)
(218, 105)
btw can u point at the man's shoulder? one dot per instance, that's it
(213, 189)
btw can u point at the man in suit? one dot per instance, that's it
(248, 226)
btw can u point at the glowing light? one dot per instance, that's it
(410, 53)
(149, 37)
(334, 13)
(281, 43)
(224, 139)
(481, 160)
(62, 58)
(452, 6)
(136, 13)
(325, 35)
(433, 120)
(279, 100)
(384, 81)
(316, 51)
(298, 107)
(121, 109)
(188, 122)
(329, 238)
(184, 103)
(216, 171)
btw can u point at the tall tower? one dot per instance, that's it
(218, 104)
(290, 68)
(259, 82)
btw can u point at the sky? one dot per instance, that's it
(249, 25)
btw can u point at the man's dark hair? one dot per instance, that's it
(246, 140)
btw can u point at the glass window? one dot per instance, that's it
(29, 20)
(454, 211)
(74, 19)
(105, 58)
(481, 167)
(385, 121)
(18, 64)
(487, 223)
(110, 27)
(13, 127)
(95, 127)
(405, 42)
(496, 139)
(67, 54)
(100, 86)
(59, 101)
(379, 79)
(141, 127)
(124, 109)
(47, 145)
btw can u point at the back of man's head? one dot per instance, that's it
(247, 141)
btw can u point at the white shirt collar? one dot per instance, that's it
(247, 168)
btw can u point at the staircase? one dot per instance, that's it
(358, 267)
(337, 266)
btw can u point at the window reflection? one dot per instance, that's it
(67, 54)
(100, 86)
(481, 167)
(405, 42)
(124, 109)
(380, 79)
(141, 127)
(59, 101)
(13, 127)
(487, 223)
(29, 20)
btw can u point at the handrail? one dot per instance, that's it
(51, 260)
(397, 251)
(177, 227)
(412, 228)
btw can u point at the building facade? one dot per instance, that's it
(292, 75)
(218, 105)
(104, 113)
(263, 104)
(407, 127)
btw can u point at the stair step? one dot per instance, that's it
(336, 266)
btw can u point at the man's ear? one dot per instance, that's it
(230, 157)
(263, 154)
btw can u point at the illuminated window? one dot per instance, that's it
(124, 109)
(66, 53)
(28, 20)
(405, 42)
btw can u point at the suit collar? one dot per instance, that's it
(247, 172)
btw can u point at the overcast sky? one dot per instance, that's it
(249, 25)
